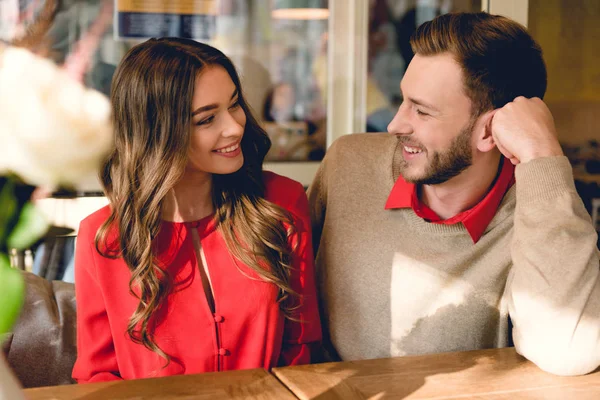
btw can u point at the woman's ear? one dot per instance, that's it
(484, 138)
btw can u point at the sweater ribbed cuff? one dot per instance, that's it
(544, 179)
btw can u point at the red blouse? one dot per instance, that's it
(248, 330)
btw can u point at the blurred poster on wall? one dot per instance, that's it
(141, 19)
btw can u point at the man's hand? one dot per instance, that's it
(524, 130)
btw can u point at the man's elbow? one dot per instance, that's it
(564, 361)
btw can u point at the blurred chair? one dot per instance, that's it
(42, 348)
(53, 258)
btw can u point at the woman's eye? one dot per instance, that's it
(235, 105)
(205, 121)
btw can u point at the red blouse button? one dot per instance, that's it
(219, 318)
(223, 352)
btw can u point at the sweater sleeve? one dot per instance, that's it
(553, 289)
(302, 334)
(317, 199)
(96, 360)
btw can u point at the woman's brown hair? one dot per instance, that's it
(151, 97)
(499, 58)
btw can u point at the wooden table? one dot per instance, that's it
(247, 384)
(484, 374)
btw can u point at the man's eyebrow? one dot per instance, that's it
(418, 102)
(422, 103)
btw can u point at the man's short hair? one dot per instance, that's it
(500, 59)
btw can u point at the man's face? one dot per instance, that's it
(434, 122)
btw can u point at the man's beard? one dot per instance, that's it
(447, 164)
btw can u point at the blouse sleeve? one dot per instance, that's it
(302, 334)
(96, 359)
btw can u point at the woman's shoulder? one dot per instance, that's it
(286, 193)
(90, 224)
(281, 189)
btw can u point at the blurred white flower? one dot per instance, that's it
(53, 130)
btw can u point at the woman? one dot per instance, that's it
(202, 261)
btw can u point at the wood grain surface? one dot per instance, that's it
(247, 384)
(485, 374)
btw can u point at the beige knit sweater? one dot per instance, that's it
(392, 284)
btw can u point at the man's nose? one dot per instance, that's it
(400, 124)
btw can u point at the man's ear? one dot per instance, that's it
(483, 133)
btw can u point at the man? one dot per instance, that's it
(431, 240)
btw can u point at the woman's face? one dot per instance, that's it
(218, 123)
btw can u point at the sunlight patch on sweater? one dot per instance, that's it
(419, 291)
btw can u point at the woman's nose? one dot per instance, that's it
(232, 126)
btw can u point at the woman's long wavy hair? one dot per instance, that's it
(151, 99)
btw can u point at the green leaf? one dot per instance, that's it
(8, 207)
(12, 287)
(31, 226)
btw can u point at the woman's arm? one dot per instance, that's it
(96, 359)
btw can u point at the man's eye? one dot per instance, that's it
(419, 112)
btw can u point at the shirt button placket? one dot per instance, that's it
(221, 352)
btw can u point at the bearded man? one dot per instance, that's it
(461, 229)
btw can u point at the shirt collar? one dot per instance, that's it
(475, 219)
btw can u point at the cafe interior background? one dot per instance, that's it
(315, 75)
(311, 77)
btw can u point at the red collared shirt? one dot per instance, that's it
(475, 219)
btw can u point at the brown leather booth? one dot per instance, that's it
(42, 348)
